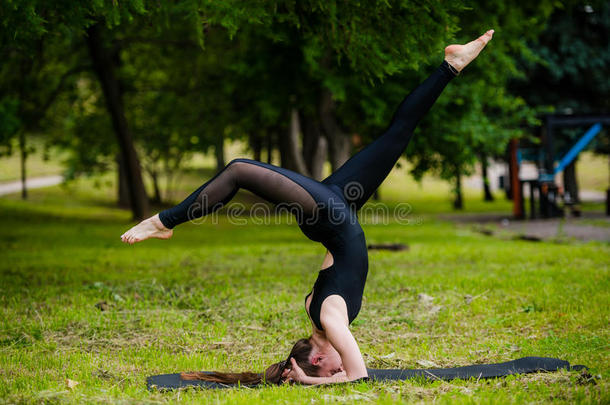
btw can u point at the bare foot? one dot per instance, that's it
(459, 56)
(149, 228)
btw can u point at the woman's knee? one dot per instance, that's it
(238, 162)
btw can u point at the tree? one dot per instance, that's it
(29, 30)
(35, 70)
(570, 72)
(105, 65)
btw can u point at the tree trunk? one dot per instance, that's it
(318, 159)
(219, 152)
(256, 143)
(458, 202)
(104, 65)
(269, 139)
(515, 182)
(154, 175)
(26, 66)
(487, 194)
(123, 188)
(508, 191)
(570, 182)
(291, 155)
(338, 141)
(24, 155)
(314, 147)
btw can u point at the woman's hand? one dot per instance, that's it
(295, 373)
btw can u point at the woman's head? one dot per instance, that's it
(307, 357)
(316, 361)
(301, 353)
(327, 360)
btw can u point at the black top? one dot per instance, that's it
(346, 277)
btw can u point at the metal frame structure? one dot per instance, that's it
(545, 184)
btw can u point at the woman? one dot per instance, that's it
(326, 213)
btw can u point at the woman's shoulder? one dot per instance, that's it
(334, 309)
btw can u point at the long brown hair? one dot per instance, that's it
(273, 374)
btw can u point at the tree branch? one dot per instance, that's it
(62, 80)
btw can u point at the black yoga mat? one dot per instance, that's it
(519, 366)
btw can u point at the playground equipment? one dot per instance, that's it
(543, 186)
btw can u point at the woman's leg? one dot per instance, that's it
(360, 176)
(272, 183)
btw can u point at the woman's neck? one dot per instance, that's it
(319, 340)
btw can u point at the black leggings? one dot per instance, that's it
(356, 180)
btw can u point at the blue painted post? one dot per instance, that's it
(578, 147)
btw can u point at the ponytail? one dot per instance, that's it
(272, 375)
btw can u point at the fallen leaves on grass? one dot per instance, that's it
(435, 309)
(102, 306)
(427, 364)
(71, 384)
(425, 298)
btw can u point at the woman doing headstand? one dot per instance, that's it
(327, 213)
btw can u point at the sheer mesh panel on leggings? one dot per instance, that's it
(264, 182)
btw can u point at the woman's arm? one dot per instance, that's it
(333, 317)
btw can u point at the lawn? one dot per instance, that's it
(224, 296)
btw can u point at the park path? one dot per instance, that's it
(590, 226)
(35, 182)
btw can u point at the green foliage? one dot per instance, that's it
(193, 71)
(573, 60)
(79, 124)
(570, 68)
(26, 22)
(378, 38)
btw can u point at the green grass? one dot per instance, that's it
(221, 296)
(593, 171)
